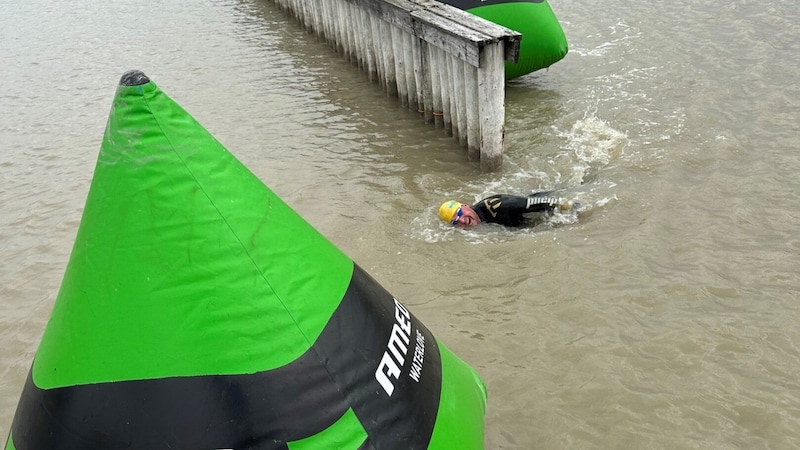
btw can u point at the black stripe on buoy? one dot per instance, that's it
(262, 410)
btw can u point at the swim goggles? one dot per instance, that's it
(459, 213)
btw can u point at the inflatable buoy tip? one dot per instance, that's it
(133, 78)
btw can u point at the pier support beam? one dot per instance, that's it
(443, 62)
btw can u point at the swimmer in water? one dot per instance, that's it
(503, 209)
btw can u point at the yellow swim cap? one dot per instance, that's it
(448, 210)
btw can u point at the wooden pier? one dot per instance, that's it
(438, 60)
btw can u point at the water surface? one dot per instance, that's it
(662, 316)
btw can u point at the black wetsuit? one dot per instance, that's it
(510, 210)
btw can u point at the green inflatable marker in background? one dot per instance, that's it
(543, 40)
(199, 311)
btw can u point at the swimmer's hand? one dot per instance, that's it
(568, 205)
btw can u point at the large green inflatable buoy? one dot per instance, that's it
(543, 40)
(199, 311)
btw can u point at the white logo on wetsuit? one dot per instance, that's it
(540, 200)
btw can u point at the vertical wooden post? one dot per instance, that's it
(460, 101)
(492, 113)
(473, 109)
(427, 83)
(408, 57)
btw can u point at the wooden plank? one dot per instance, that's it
(455, 39)
(445, 26)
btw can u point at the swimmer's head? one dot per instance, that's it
(458, 214)
(450, 211)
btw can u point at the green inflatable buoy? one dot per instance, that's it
(543, 40)
(199, 311)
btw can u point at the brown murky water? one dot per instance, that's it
(663, 316)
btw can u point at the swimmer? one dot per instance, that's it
(503, 209)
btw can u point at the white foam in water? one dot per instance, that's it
(574, 172)
(605, 201)
(615, 36)
(594, 142)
